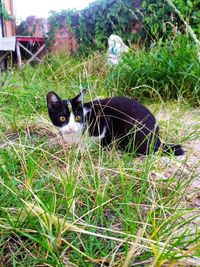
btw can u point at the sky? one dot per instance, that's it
(41, 8)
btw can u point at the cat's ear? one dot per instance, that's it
(53, 100)
(80, 97)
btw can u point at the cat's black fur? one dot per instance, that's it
(118, 119)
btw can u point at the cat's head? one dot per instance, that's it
(67, 115)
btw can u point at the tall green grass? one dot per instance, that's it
(170, 70)
(60, 207)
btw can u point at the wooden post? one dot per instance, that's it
(4, 55)
(3, 61)
(19, 58)
(37, 53)
(29, 52)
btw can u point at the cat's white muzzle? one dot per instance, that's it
(72, 126)
(71, 129)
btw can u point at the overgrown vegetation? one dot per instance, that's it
(101, 208)
(169, 70)
(135, 21)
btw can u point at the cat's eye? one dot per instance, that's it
(78, 118)
(62, 118)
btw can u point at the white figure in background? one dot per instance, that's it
(115, 48)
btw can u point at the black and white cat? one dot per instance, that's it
(118, 119)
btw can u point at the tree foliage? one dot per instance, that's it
(4, 13)
(94, 24)
(161, 21)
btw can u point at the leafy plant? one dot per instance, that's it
(93, 25)
(4, 12)
(135, 21)
(159, 20)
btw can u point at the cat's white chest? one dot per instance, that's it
(101, 135)
(83, 141)
(73, 138)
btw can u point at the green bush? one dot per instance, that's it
(137, 21)
(160, 20)
(169, 70)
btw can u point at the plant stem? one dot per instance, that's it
(188, 27)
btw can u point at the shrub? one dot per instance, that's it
(137, 21)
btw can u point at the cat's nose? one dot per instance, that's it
(72, 129)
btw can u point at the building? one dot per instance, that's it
(7, 27)
(64, 40)
(25, 49)
(7, 18)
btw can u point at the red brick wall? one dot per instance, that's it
(64, 39)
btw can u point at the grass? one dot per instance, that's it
(174, 72)
(60, 207)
